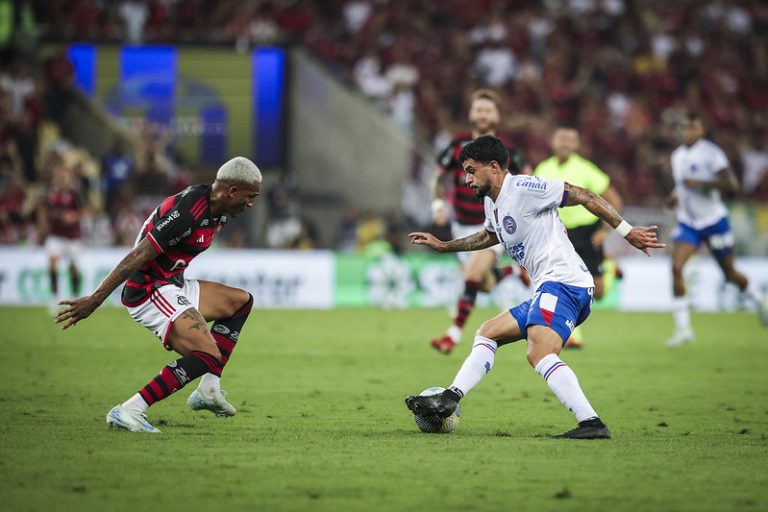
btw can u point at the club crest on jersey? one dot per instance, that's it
(510, 226)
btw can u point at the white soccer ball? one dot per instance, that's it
(435, 425)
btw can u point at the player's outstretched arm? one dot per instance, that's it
(643, 238)
(81, 308)
(475, 242)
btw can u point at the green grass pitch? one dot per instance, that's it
(322, 425)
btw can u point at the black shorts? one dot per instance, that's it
(581, 238)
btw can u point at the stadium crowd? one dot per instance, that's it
(623, 72)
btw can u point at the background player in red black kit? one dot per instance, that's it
(480, 272)
(176, 309)
(59, 216)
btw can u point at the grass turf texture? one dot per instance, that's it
(322, 425)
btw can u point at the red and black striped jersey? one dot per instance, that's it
(60, 203)
(179, 229)
(467, 208)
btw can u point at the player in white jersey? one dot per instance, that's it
(521, 214)
(701, 172)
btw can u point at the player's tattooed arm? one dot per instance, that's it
(592, 202)
(132, 262)
(640, 237)
(474, 242)
(81, 308)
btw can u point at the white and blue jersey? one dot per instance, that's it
(701, 216)
(700, 161)
(525, 220)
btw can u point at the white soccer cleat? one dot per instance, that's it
(680, 338)
(213, 400)
(127, 419)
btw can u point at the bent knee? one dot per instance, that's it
(236, 299)
(205, 344)
(486, 330)
(535, 355)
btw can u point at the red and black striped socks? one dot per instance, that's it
(177, 374)
(226, 332)
(466, 303)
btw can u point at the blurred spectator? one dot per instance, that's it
(346, 231)
(496, 63)
(24, 134)
(284, 223)
(20, 86)
(116, 168)
(307, 237)
(18, 29)
(754, 160)
(12, 196)
(372, 236)
(396, 233)
(134, 14)
(128, 219)
(59, 75)
(441, 220)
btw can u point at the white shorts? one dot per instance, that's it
(164, 306)
(464, 230)
(63, 247)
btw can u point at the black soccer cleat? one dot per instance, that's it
(588, 429)
(440, 405)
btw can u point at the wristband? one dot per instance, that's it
(624, 228)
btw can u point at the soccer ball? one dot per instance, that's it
(433, 425)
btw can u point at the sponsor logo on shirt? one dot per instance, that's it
(532, 183)
(179, 238)
(170, 218)
(517, 252)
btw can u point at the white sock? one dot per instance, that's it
(209, 382)
(564, 384)
(454, 332)
(477, 364)
(754, 294)
(135, 403)
(682, 313)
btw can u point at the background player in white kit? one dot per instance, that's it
(521, 213)
(701, 172)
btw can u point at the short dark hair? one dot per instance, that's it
(485, 149)
(693, 117)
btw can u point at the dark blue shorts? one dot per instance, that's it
(718, 237)
(559, 306)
